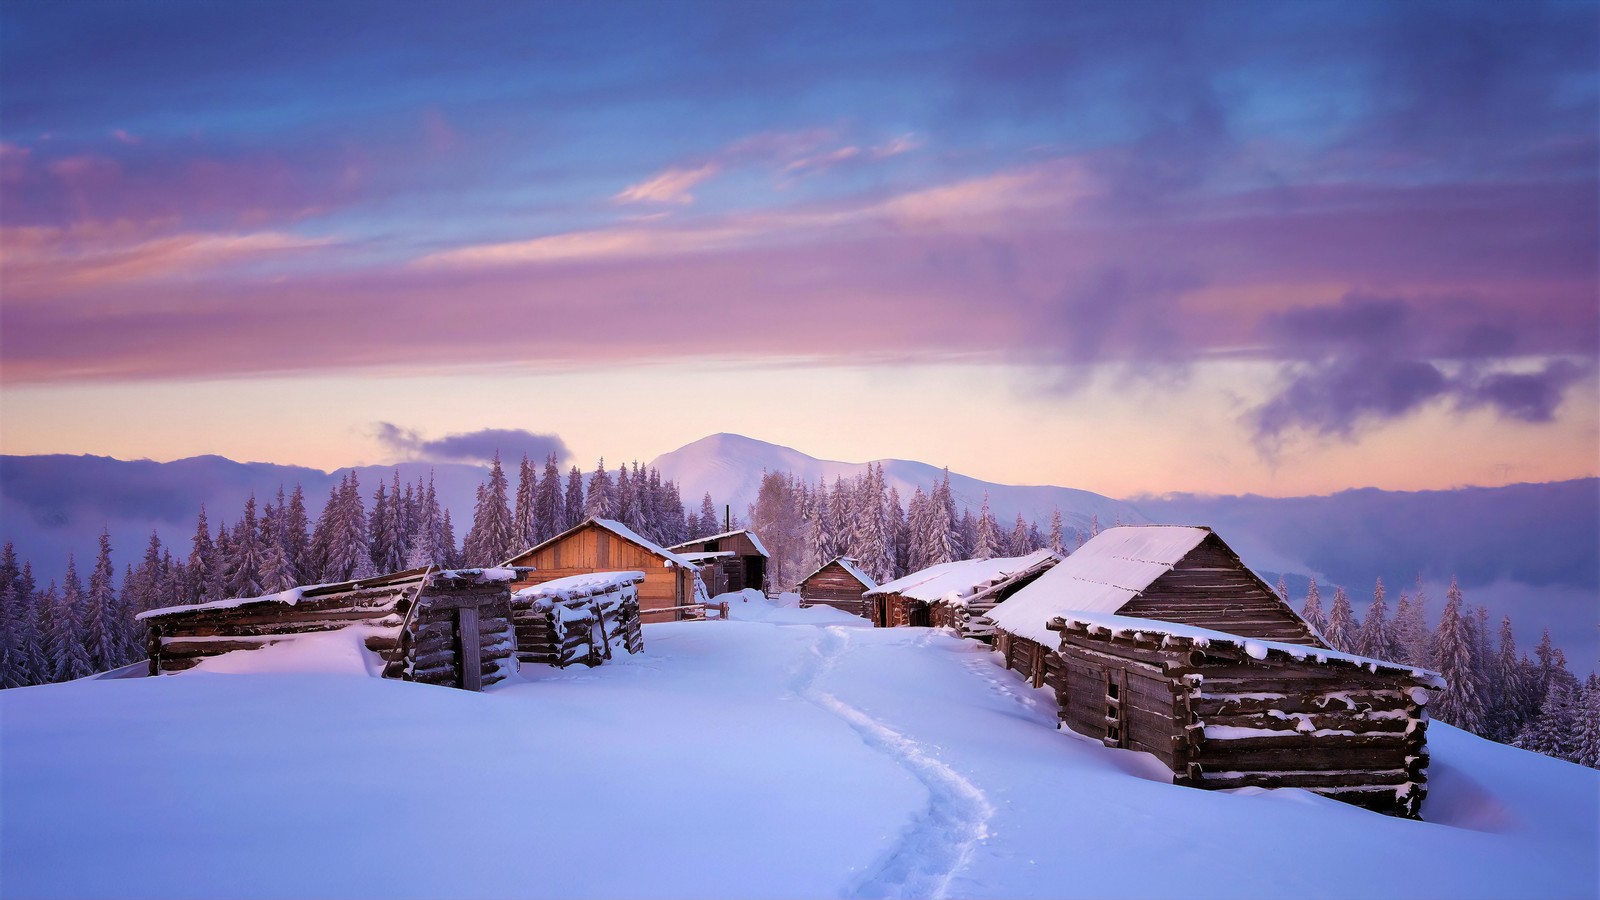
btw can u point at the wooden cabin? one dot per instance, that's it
(730, 561)
(1223, 711)
(940, 595)
(671, 589)
(578, 619)
(445, 627)
(841, 584)
(1157, 638)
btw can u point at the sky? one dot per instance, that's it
(1135, 248)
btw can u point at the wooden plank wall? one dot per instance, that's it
(833, 586)
(1211, 588)
(593, 549)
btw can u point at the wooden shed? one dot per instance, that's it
(446, 627)
(578, 619)
(940, 595)
(730, 561)
(1157, 638)
(671, 589)
(1222, 711)
(839, 583)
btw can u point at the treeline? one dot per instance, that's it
(805, 525)
(71, 628)
(1495, 690)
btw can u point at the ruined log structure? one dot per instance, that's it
(445, 627)
(671, 590)
(578, 619)
(956, 594)
(841, 584)
(1158, 639)
(729, 562)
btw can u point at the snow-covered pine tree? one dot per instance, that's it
(422, 547)
(352, 555)
(1461, 702)
(1342, 628)
(244, 560)
(822, 539)
(602, 499)
(391, 546)
(24, 644)
(276, 570)
(989, 542)
(551, 508)
(378, 524)
(625, 511)
(576, 501)
(1079, 533)
(297, 538)
(710, 522)
(1058, 538)
(1017, 543)
(1508, 696)
(900, 533)
(1311, 610)
(1588, 749)
(1417, 632)
(944, 538)
(491, 535)
(12, 615)
(451, 555)
(1094, 524)
(968, 532)
(1376, 638)
(1556, 730)
(202, 563)
(918, 532)
(33, 650)
(525, 515)
(1283, 589)
(101, 628)
(69, 658)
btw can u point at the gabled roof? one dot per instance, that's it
(621, 531)
(760, 547)
(849, 564)
(1112, 568)
(955, 582)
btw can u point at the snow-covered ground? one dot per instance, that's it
(788, 753)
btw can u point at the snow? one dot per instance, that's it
(956, 582)
(575, 587)
(764, 758)
(701, 559)
(754, 539)
(290, 597)
(340, 652)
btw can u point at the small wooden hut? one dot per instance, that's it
(671, 590)
(446, 627)
(942, 595)
(1157, 638)
(578, 619)
(730, 561)
(841, 584)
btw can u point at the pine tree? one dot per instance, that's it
(1461, 702)
(1556, 731)
(1376, 638)
(451, 557)
(989, 541)
(576, 501)
(377, 524)
(1094, 524)
(1057, 543)
(297, 539)
(70, 659)
(944, 539)
(1018, 543)
(101, 628)
(525, 517)
(900, 533)
(202, 563)
(1311, 610)
(489, 541)
(917, 529)
(1588, 749)
(244, 562)
(1283, 589)
(1508, 701)
(551, 508)
(392, 539)
(1342, 628)
(602, 499)
(1415, 632)
(824, 543)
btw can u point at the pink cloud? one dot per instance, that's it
(671, 186)
(52, 260)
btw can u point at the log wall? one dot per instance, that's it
(833, 586)
(1211, 588)
(588, 629)
(1222, 719)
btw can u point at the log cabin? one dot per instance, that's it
(437, 626)
(940, 595)
(839, 583)
(730, 561)
(578, 619)
(1157, 638)
(671, 590)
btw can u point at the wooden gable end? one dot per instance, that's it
(1211, 588)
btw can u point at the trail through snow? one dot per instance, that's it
(940, 840)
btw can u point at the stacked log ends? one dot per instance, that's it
(1227, 714)
(584, 619)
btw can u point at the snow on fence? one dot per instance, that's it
(578, 619)
(445, 627)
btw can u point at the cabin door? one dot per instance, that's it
(468, 647)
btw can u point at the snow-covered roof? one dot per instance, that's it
(1105, 573)
(574, 587)
(760, 547)
(399, 581)
(1255, 648)
(621, 531)
(703, 558)
(956, 582)
(850, 565)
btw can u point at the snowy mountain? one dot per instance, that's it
(806, 761)
(730, 467)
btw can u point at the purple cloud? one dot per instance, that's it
(471, 446)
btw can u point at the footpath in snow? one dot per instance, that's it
(788, 753)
